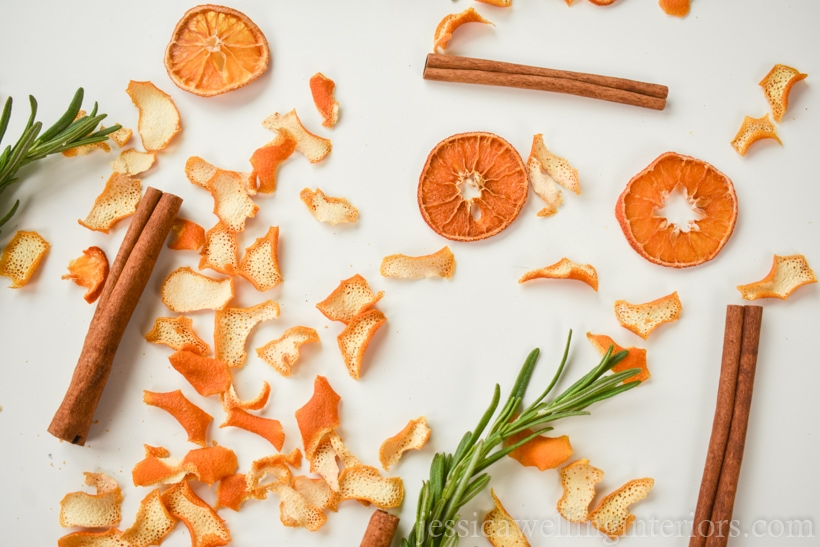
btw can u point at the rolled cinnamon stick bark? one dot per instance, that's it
(73, 418)
(380, 530)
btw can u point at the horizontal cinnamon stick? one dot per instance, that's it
(452, 68)
(727, 384)
(72, 420)
(380, 530)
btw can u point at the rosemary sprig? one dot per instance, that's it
(458, 477)
(67, 132)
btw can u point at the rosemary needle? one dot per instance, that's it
(458, 477)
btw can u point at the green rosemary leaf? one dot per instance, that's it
(4, 118)
(66, 119)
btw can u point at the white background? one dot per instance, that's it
(446, 342)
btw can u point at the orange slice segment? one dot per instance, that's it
(612, 516)
(501, 529)
(642, 319)
(710, 194)
(777, 85)
(215, 49)
(578, 480)
(565, 269)
(788, 273)
(753, 130)
(90, 271)
(22, 256)
(472, 186)
(448, 25)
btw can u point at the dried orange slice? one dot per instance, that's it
(215, 49)
(578, 480)
(22, 256)
(612, 515)
(90, 271)
(448, 25)
(752, 130)
(676, 8)
(642, 319)
(708, 191)
(788, 273)
(501, 529)
(777, 85)
(472, 186)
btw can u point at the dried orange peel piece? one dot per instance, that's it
(365, 483)
(99, 510)
(442, 264)
(186, 290)
(232, 491)
(322, 89)
(317, 492)
(565, 269)
(544, 187)
(268, 428)
(210, 464)
(556, 167)
(578, 480)
(501, 529)
(207, 375)
(355, 339)
(231, 400)
(220, 252)
(295, 511)
(87, 538)
(319, 416)
(186, 235)
(448, 25)
(472, 186)
(283, 352)
(777, 86)
(121, 136)
(266, 160)
(157, 467)
(709, 192)
(313, 147)
(206, 528)
(234, 325)
(199, 172)
(159, 120)
(788, 273)
(644, 318)
(752, 130)
(232, 202)
(177, 333)
(350, 298)
(612, 516)
(260, 263)
(90, 271)
(329, 209)
(215, 49)
(676, 8)
(152, 523)
(118, 200)
(413, 437)
(635, 357)
(541, 452)
(133, 162)
(22, 256)
(193, 419)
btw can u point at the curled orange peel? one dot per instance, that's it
(565, 269)
(635, 357)
(788, 273)
(319, 416)
(644, 318)
(448, 25)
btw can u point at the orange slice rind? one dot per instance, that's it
(329, 209)
(777, 85)
(752, 130)
(22, 256)
(260, 263)
(442, 264)
(158, 122)
(99, 510)
(89, 271)
(313, 147)
(350, 298)
(118, 200)
(234, 325)
(501, 529)
(644, 318)
(215, 49)
(472, 186)
(788, 273)
(207, 375)
(578, 480)
(709, 192)
(322, 89)
(356, 337)
(448, 25)
(186, 290)
(635, 357)
(612, 516)
(177, 333)
(412, 437)
(565, 269)
(283, 352)
(192, 418)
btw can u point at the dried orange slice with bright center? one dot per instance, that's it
(215, 49)
(472, 187)
(709, 193)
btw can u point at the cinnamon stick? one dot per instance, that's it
(730, 472)
(452, 68)
(380, 530)
(730, 361)
(72, 420)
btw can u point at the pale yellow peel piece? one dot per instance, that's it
(578, 480)
(788, 273)
(233, 326)
(350, 298)
(642, 319)
(556, 167)
(99, 510)
(442, 264)
(159, 120)
(186, 290)
(565, 269)
(501, 529)
(355, 338)
(544, 187)
(413, 437)
(612, 516)
(777, 85)
(152, 523)
(260, 263)
(232, 202)
(329, 209)
(283, 352)
(753, 130)
(313, 147)
(220, 252)
(448, 25)
(364, 483)
(206, 528)
(22, 256)
(133, 162)
(118, 200)
(177, 333)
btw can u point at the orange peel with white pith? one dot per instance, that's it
(205, 526)
(777, 86)
(500, 528)
(186, 235)
(177, 333)
(788, 273)
(313, 147)
(232, 326)
(365, 483)
(442, 264)
(319, 416)
(99, 510)
(22, 256)
(260, 263)
(159, 120)
(412, 437)
(266, 160)
(118, 200)
(133, 162)
(356, 337)
(232, 201)
(635, 357)
(186, 290)
(565, 269)
(329, 209)
(199, 171)
(752, 130)
(152, 523)
(448, 25)
(644, 318)
(612, 516)
(350, 298)
(283, 352)
(231, 400)
(323, 89)
(220, 251)
(578, 480)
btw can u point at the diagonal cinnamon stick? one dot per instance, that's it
(72, 420)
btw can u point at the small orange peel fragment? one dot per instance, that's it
(365, 483)
(442, 264)
(556, 167)
(87, 538)
(159, 120)
(322, 89)
(448, 25)
(193, 419)
(612, 516)
(541, 452)
(268, 472)
(231, 400)
(177, 333)
(500, 528)
(753, 130)
(133, 162)
(22, 256)
(260, 263)
(152, 523)
(350, 298)
(199, 172)
(644, 318)
(220, 252)
(777, 85)
(232, 201)
(232, 491)
(121, 136)
(317, 492)
(329, 209)
(266, 160)
(788, 273)
(186, 290)
(90, 271)
(283, 352)
(99, 510)
(635, 357)
(232, 326)
(565, 269)
(413, 437)
(295, 511)
(313, 147)
(675, 8)
(206, 528)
(356, 337)
(186, 235)
(207, 375)
(578, 480)
(210, 463)
(267, 428)
(319, 416)
(118, 200)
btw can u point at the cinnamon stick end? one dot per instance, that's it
(380, 530)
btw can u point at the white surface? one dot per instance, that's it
(446, 342)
